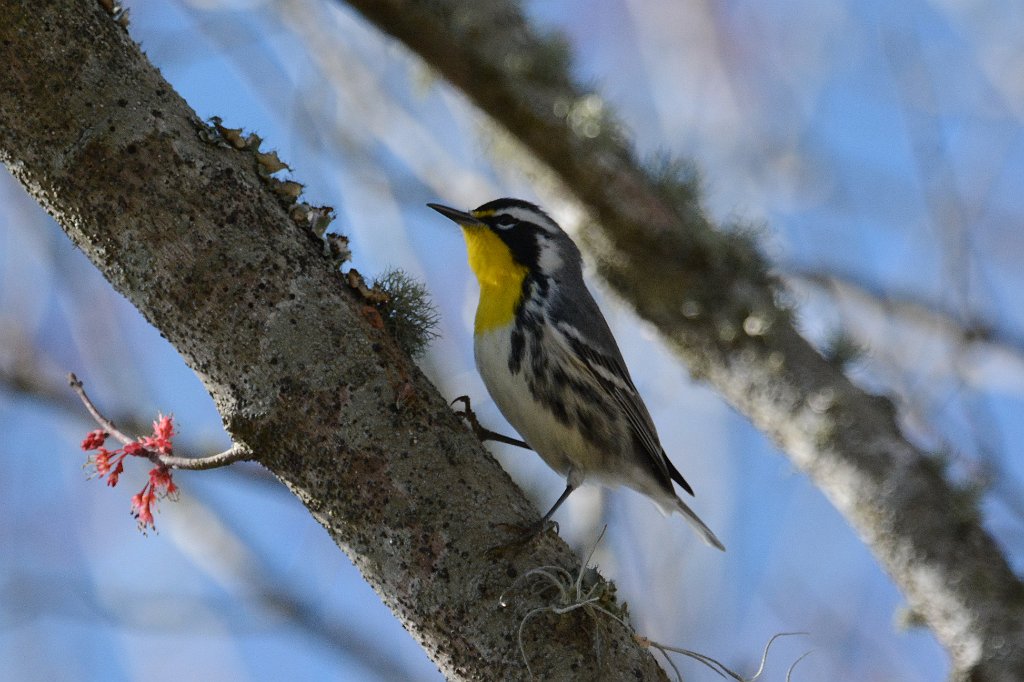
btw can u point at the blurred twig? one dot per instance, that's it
(970, 330)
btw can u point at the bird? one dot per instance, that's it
(550, 363)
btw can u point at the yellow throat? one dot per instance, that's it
(500, 276)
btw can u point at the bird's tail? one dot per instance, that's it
(705, 533)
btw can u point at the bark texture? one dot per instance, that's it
(191, 234)
(712, 297)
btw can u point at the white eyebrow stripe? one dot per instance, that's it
(527, 215)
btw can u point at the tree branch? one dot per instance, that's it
(968, 331)
(711, 296)
(236, 453)
(106, 424)
(191, 233)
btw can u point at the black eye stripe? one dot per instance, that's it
(521, 236)
(504, 221)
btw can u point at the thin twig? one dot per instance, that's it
(718, 666)
(107, 425)
(789, 673)
(233, 454)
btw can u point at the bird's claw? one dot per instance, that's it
(469, 415)
(484, 434)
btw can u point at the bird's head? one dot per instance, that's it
(512, 238)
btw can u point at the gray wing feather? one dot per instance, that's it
(590, 340)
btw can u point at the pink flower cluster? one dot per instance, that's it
(110, 463)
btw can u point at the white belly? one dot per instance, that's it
(552, 440)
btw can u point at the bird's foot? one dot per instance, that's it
(483, 434)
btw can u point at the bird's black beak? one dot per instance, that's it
(460, 217)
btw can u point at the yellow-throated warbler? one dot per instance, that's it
(552, 365)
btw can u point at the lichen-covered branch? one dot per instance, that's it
(710, 294)
(194, 234)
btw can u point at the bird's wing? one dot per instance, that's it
(609, 370)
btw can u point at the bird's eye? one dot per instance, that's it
(504, 221)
